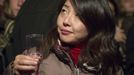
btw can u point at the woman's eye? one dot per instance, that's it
(63, 11)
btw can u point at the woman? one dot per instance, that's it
(81, 44)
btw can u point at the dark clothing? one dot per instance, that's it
(5, 41)
(130, 52)
(36, 16)
(2, 61)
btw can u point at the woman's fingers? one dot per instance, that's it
(25, 68)
(24, 62)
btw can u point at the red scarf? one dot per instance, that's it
(75, 52)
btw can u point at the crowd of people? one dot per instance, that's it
(82, 37)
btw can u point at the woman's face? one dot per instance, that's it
(70, 28)
(15, 6)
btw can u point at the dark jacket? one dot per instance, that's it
(130, 52)
(5, 41)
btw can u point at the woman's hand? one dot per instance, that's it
(26, 62)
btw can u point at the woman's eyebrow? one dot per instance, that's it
(66, 6)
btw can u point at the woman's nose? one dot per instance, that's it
(67, 21)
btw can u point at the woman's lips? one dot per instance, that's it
(65, 32)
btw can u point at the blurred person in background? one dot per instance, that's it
(124, 35)
(128, 22)
(11, 9)
(126, 13)
(119, 33)
(7, 19)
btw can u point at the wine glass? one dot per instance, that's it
(34, 47)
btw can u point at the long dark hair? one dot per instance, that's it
(100, 54)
